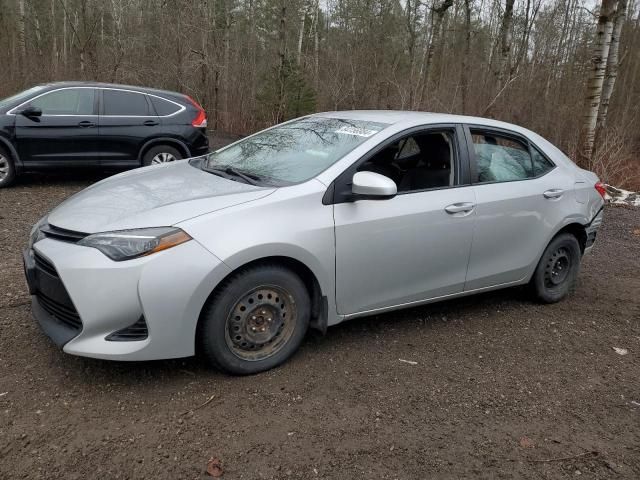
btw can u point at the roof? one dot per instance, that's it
(410, 118)
(109, 85)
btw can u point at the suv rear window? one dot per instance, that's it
(118, 102)
(163, 107)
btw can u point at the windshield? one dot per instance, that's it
(18, 97)
(296, 151)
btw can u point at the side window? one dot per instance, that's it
(501, 158)
(70, 101)
(407, 148)
(540, 163)
(118, 102)
(163, 107)
(420, 161)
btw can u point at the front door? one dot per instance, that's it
(65, 134)
(416, 245)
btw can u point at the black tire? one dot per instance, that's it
(7, 169)
(159, 151)
(244, 327)
(557, 271)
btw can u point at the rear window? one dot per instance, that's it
(164, 107)
(117, 102)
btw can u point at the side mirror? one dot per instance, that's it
(373, 186)
(31, 112)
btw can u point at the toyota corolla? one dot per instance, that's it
(309, 223)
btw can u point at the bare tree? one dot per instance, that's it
(596, 80)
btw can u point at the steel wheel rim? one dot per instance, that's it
(558, 267)
(162, 157)
(261, 323)
(4, 167)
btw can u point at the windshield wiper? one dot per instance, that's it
(228, 172)
(247, 177)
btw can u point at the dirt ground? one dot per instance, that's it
(501, 388)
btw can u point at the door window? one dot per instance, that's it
(418, 162)
(70, 101)
(500, 158)
(126, 104)
(541, 164)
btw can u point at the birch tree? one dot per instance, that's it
(596, 80)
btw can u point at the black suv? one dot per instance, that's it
(73, 124)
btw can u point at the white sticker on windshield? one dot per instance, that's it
(360, 132)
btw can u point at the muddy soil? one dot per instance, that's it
(501, 387)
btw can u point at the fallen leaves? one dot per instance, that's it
(620, 351)
(526, 442)
(214, 467)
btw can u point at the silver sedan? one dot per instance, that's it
(312, 222)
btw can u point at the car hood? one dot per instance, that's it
(154, 196)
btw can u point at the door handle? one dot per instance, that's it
(86, 124)
(150, 123)
(553, 193)
(459, 207)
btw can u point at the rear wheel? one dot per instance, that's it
(161, 154)
(255, 321)
(7, 169)
(557, 270)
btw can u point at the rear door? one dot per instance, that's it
(65, 134)
(127, 121)
(521, 197)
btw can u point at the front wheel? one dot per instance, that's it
(7, 169)
(255, 321)
(557, 270)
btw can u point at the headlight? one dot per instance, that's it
(36, 235)
(128, 244)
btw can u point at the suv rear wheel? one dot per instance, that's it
(255, 321)
(7, 169)
(557, 270)
(161, 154)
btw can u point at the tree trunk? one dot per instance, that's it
(438, 13)
(21, 38)
(464, 72)
(301, 35)
(316, 47)
(612, 64)
(280, 113)
(596, 79)
(505, 43)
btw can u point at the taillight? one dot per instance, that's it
(201, 118)
(599, 186)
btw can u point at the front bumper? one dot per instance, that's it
(167, 290)
(50, 302)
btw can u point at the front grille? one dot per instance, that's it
(132, 333)
(44, 264)
(67, 315)
(62, 234)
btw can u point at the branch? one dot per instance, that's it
(508, 82)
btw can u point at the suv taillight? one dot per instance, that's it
(599, 186)
(201, 118)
